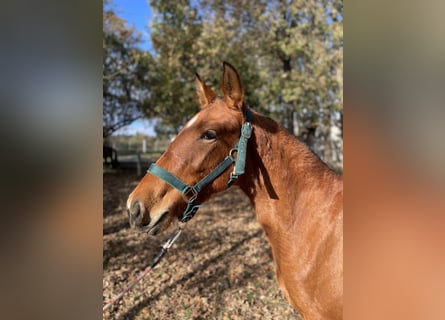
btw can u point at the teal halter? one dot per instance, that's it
(190, 193)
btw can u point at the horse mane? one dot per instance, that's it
(266, 128)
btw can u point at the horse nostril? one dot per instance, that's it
(136, 212)
(135, 209)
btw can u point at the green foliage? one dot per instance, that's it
(289, 55)
(126, 71)
(174, 33)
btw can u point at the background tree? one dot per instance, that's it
(174, 32)
(289, 55)
(303, 45)
(126, 71)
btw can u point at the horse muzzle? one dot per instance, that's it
(136, 214)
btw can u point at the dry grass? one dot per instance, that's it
(220, 268)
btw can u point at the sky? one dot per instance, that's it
(137, 12)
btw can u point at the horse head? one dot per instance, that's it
(202, 144)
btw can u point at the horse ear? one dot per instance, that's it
(205, 94)
(232, 87)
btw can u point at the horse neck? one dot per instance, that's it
(283, 177)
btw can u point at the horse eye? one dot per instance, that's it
(209, 135)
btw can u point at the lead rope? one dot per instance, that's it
(164, 250)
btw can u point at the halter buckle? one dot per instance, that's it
(189, 195)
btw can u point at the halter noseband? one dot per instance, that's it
(190, 193)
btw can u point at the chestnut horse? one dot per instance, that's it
(298, 200)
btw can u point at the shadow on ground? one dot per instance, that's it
(220, 268)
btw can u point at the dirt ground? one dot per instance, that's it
(220, 268)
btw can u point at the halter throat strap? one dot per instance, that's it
(190, 193)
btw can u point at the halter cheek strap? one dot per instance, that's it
(190, 193)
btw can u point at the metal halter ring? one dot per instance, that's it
(189, 195)
(232, 151)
